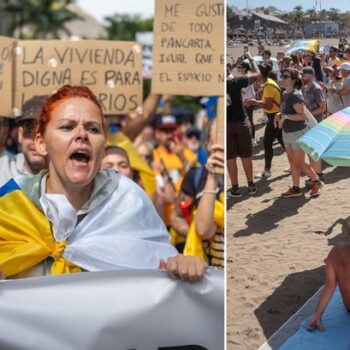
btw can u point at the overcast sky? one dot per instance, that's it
(343, 5)
(102, 8)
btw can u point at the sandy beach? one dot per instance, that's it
(277, 246)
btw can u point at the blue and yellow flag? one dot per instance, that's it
(25, 235)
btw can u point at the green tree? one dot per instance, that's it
(323, 15)
(41, 19)
(334, 14)
(125, 27)
(311, 13)
(298, 18)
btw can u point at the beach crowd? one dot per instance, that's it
(295, 92)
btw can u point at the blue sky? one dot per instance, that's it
(102, 8)
(343, 5)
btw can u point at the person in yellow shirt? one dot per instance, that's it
(170, 156)
(271, 103)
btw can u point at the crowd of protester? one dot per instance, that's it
(306, 88)
(173, 157)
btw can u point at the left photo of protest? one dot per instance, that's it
(112, 174)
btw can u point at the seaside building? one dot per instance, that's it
(321, 29)
(258, 23)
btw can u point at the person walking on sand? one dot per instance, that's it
(239, 142)
(271, 103)
(247, 94)
(315, 101)
(293, 122)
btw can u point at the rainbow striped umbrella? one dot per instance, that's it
(330, 140)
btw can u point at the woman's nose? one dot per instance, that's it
(81, 133)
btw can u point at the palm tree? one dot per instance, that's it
(311, 13)
(41, 19)
(334, 14)
(298, 15)
(323, 15)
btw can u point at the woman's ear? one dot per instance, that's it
(40, 145)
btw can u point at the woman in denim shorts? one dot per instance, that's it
(293, 122)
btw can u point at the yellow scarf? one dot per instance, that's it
(194, 246)
(25, 236)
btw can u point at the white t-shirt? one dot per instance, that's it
(346, 98)
(8, 168)
(248, 92)
(334, 101)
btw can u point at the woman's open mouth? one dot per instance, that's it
(80, 157)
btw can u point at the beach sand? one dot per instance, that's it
(277, 246)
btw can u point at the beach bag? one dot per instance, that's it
(310, 119)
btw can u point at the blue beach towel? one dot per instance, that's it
(336, 321)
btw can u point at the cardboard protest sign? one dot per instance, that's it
(6, 75)
(111, 69)
(220, 121)
(220, 127)
(188, 56)
(146, 39)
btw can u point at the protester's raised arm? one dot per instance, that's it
(134, 127)
(255, 71)
(204, 219)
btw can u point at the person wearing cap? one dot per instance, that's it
(7, 160)
(271, 100)
(29, 162)
(192, 140)
(238, 140)
(315, 102)
(344, 91)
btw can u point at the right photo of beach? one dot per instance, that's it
(288, 170)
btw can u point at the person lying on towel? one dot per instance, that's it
(75, 217)
(337, 272)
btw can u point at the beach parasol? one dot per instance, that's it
(330, 140)
(260, 60)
